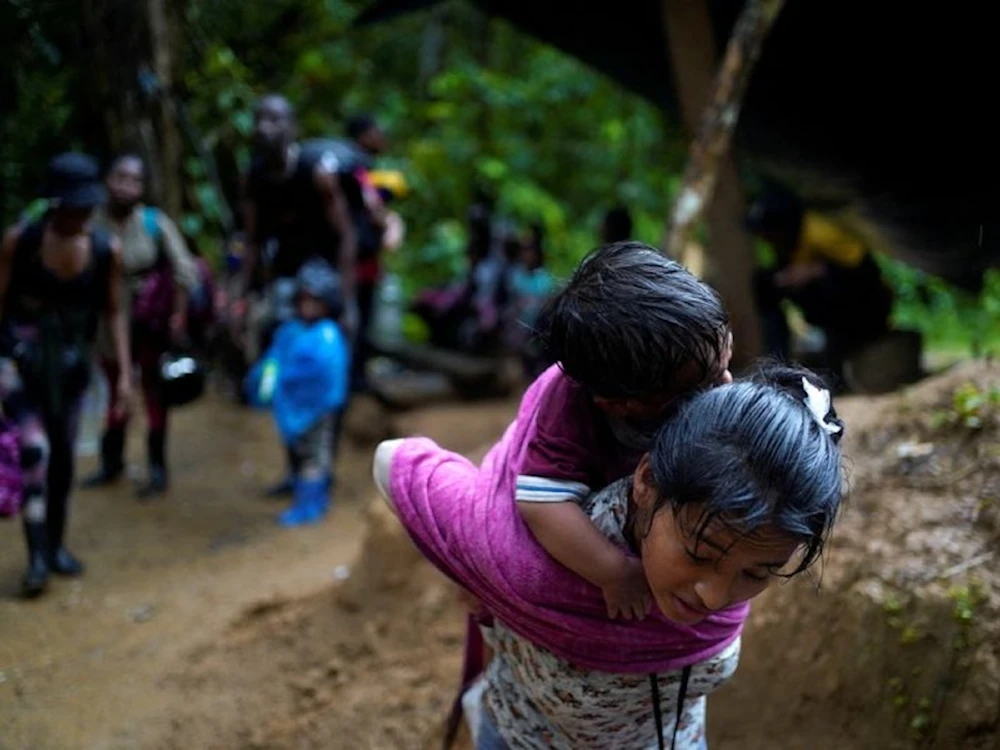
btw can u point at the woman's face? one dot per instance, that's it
(126, 182)
(692, 577)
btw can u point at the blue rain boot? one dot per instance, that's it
(309, 504)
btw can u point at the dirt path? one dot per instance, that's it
(83, 666)
(203, 625)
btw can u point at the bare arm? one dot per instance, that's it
(6, 261)
(185, 271)
(117, 318)
(567, 534)
(337, 214)
(182, 262)
(570, 537)
(251, 255)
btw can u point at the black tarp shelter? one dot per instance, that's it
(887, 106)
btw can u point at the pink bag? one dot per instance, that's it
(154, 300)
(11, 475)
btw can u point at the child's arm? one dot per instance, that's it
(566, 533)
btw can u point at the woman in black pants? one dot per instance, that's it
(57, 277)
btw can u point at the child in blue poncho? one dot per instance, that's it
(303, 377)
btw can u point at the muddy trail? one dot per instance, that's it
(202, 625)
(90, 665)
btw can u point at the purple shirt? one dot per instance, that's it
(572, 451)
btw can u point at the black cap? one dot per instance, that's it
(73, 181)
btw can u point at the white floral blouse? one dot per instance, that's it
(538, 701)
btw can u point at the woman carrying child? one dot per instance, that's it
(742, 486)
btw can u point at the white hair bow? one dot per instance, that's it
(817, 401)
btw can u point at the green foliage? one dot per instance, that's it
(950, 318)
(971, 408)
(468, 103)
(553, 142)
(968, 599)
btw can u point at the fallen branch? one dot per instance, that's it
(718, 121)
(962, 567)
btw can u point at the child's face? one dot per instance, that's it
(691, 576)
(310, 309)
(654, 411)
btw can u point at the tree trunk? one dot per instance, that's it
(129, 88)
(710, 113)
(162, 40)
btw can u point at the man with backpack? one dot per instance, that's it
(294, 209)
(370, 216)
(161, 274)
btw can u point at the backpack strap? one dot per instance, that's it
(151, 222)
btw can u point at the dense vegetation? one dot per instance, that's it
(468, 103)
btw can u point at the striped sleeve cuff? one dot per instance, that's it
(543, 490)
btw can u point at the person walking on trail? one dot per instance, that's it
(303, 377)
(160, 276)
(58, 276)
(294, 210)
(371, 220)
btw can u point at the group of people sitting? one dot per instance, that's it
(494, 308)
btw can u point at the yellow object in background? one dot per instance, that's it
(823, 240)
(392, 180)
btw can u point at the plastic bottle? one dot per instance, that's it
(92, 414)
(388, 323)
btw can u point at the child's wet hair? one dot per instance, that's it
(630, 319)
(752, 455)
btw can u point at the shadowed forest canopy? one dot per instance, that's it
(471, 102)
(878, 106)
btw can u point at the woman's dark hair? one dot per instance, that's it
(629, 320)
(752, 454)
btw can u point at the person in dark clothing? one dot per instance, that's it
(58, 276)
(369, 214)
(467, 316)
(824, 271)
(295, 209)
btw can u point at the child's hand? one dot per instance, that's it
(627, 594)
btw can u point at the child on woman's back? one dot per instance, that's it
(632, 334)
